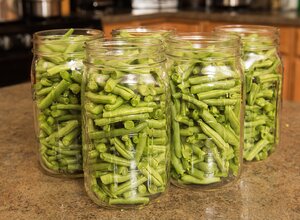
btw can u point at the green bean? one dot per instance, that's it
(188, 179)
(71, 125)
(101, 99)
(130, 185)
(257, 148)
(226, 134)
(176, 134)
(127, 111)
(232, 118)
(114, 178)
(60, 88)
(194, 101)
(213, 85)
(114, 159)
(208, 78)
(220, 102)
(177, 164)
(129, 201)
(106, 121)
(140, 146)
(214, 135)
(117, 132)
(101, 167)
(151, 173)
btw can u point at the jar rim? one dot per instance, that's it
(98, 45)
(248, 29)
(122, 68)
(120, 49)
(139, 31)
(268, 35)
(56, 34)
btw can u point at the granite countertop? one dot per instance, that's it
(288, 18)
(266, 190)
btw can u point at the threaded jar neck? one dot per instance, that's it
(253, 37)
(134, 52)
(206, 46)
(160, 33)
(58, 41)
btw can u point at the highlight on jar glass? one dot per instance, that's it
(162, 33)
(56, 76)
(207, 94)
(126, 124)
(263, 76)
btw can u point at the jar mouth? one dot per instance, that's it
(198, 42)
(129, 47)
(126, 67)
(57, 34)
(144, 31)
(127, 53)
(61, 39)
(259, 36)
(249, 29)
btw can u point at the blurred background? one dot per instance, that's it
(19, 19)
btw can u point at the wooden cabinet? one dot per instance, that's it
(287, 45)
(287, 92)
(296, 81)
(296, 76)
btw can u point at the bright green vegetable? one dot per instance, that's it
(58, 76)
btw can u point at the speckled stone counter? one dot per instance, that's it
(266, 190)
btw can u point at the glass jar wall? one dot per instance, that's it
(263, 77)
(207, 110)
(56, 76)
(126, 122)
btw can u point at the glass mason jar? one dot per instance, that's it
(263, 81)
(56, 76)
(207, 94)
(126, 126)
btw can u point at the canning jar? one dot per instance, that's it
(207, 94)
(126, 122)
(56, 76)
(263, 81)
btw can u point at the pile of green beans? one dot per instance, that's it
(126, 131)
(263, 95)
(57, 75)
(206, 89)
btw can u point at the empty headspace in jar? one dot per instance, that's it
(203, 45)
(128, 52)
(254, 36)
(63, 40)
(154, 32)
